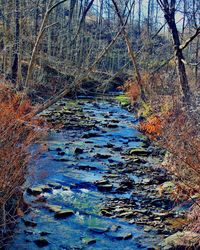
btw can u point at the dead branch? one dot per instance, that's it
(189, 40)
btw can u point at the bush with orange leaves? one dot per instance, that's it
(152, 127)
(178, 131)
(132, 89)
(18, 130)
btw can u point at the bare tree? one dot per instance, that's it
(169, 9)
(130, 50)
(43, 27)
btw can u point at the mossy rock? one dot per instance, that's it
(123, 100)
(145, 110)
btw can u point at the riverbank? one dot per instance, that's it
(174, 126)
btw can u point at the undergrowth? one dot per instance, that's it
(18, 130)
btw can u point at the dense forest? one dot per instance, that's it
(100, 124)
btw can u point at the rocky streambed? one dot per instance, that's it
(98, 185)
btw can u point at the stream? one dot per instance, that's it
(87, 191)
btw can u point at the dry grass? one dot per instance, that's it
(18, 130)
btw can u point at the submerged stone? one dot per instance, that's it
(110, 145)
(139, 151)
(106, 187)
(54, 185)
(65, 188)
(86, 167)
(61, 159)
(54, 208)
(40, 198)
(41, 242)
(90, 135)
(102, 156)
(61, 153)
(147, 229)
(34, 191)
(88, 241)
(102, 182)
(46, 189)
(99, 230)
(63, 213)
(121, 236)
(29, 223)
(78, 151)
(44, 233)
(112, 125)
(59, 149)
(115, 228)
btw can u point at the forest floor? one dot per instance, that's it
(98, 185)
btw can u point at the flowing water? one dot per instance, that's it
(77, 156)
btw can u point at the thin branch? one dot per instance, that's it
(189, 40)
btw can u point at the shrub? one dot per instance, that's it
(152, 127)
(132, 90)
(18, 130)
(178, 131)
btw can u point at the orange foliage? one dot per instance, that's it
(132, 89)
(152, 127)
(18, 130)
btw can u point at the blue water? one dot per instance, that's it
(82, 195)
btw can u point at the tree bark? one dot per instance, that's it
(180, 63)
(16, 47)
(169, 13)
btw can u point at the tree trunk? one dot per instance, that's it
(169, 9)
(197, 57)
(139, 16)
(148, 17)
(179, 57)
(130, 51)
(16, 47)
(71, 11)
